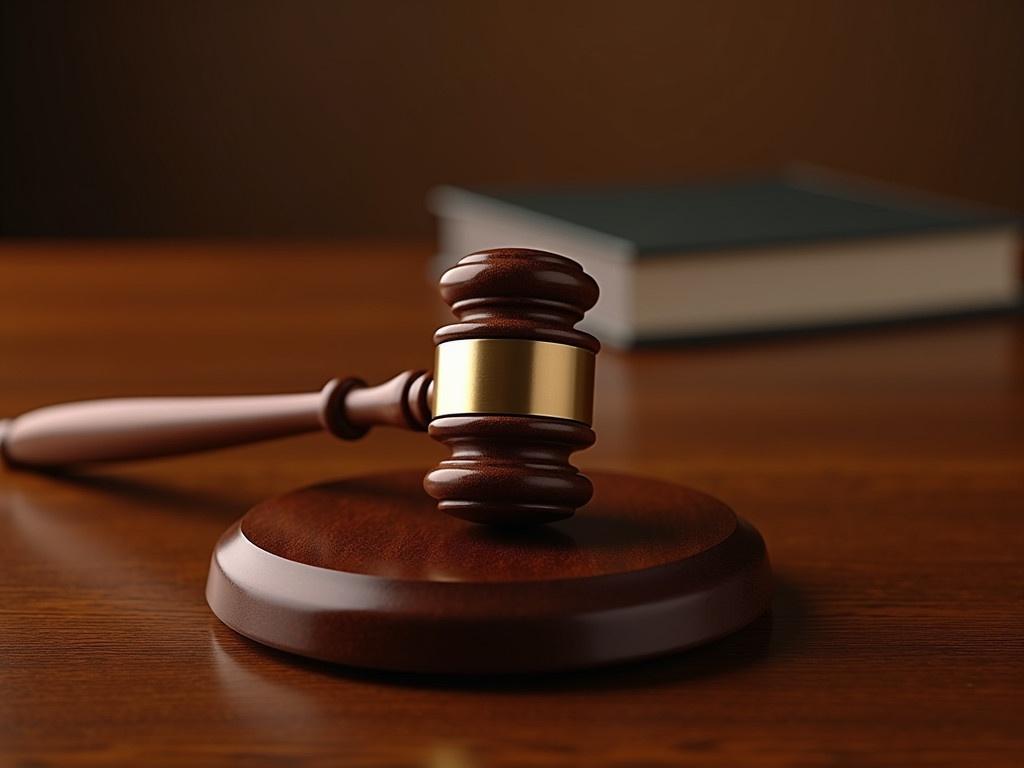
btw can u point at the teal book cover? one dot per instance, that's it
(746, 212)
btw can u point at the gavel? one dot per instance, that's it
(511, 396)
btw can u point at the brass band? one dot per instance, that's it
(514, 377)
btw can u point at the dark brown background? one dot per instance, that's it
(318, 118)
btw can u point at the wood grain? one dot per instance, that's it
(885, 470)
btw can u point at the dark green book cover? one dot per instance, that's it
(700, 217)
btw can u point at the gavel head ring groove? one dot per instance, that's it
(513, 388)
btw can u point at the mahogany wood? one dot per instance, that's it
(509, 470)
(145, 427)
(352, 408)
(513, 470)
(367, 572)
(518, 293)
(885, 469)
(120, 429)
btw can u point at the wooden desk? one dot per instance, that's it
(886, 470)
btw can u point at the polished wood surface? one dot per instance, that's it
(367, 572)
(885, 470)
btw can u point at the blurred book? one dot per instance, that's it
(754, 256)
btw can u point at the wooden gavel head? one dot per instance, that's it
(513, 388)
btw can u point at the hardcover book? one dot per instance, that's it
(749, 256)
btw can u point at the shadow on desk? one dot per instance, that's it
(156, 496)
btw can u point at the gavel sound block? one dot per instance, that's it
(366, 571)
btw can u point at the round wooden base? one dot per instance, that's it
(366, 572)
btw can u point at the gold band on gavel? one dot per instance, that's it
(514, 377)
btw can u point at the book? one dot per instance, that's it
(749, 256)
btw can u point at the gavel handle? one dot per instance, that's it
(139, 428)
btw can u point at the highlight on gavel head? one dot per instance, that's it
(513, 388)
